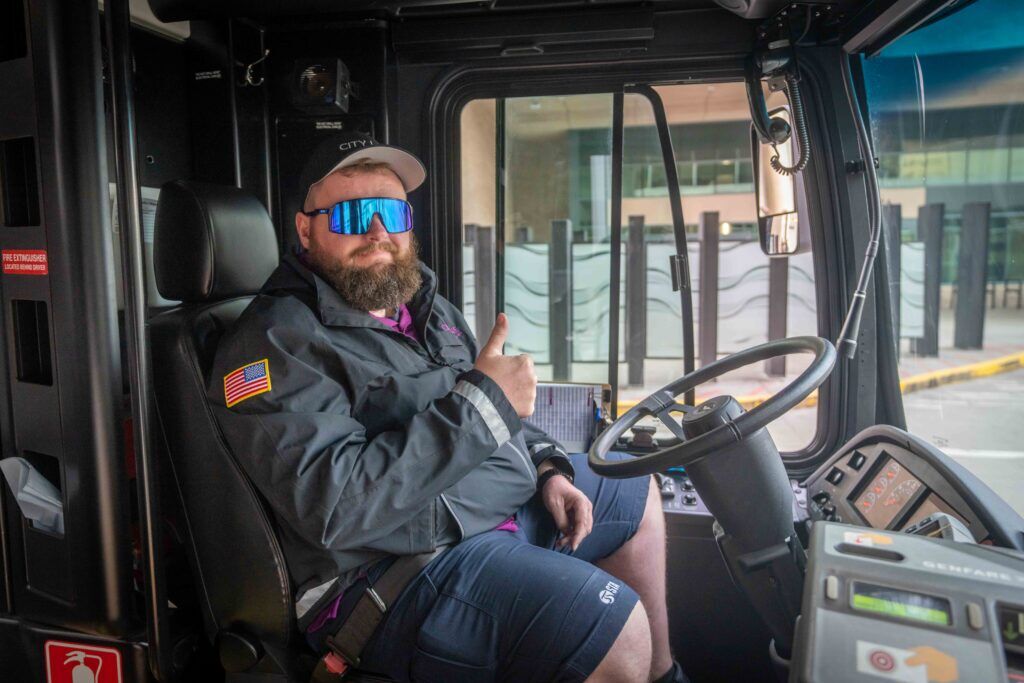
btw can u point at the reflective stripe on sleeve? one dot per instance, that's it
(539, 447)
(476, 396)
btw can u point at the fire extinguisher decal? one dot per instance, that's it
(82, 673)
(81, 663)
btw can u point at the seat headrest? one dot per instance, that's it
(212, 242)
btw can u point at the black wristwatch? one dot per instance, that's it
(553, 471)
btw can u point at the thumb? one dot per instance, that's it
(497, 339)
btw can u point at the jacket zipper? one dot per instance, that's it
(451, 511)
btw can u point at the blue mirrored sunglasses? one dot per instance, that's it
(353, 217)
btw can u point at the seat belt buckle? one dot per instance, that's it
(335, 664)
(340, 658)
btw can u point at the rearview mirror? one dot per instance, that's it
(779, 227)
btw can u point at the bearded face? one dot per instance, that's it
(373, 271)
(384, 284)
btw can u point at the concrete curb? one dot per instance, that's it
(925, 380)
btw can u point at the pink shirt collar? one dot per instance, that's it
(404, 323)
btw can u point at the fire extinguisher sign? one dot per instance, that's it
(80, 663)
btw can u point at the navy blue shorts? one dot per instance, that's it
(507, 606)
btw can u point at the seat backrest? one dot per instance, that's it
(214, 247)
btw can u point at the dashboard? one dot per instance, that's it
(886, 479)
(885, 485)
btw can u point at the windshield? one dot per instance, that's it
(947, 118)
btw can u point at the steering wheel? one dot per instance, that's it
(718, 422)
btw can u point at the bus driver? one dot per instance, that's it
(361, 407)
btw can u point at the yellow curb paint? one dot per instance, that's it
(926, 380)
(985, 368)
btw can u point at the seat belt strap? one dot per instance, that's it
(353, 635)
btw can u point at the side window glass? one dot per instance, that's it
(536, 179)
(947, 120)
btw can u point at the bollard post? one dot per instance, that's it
(483, 280)
(636, 301)
(778, 310)
(560, 299)
(971, 277)
(708, 323)
(929, 231)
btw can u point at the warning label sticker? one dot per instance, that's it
(81, 663)
(25, 262)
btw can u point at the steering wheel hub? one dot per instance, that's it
(710, 414)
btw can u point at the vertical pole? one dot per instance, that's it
(615, 227)
(929, 231)
(483, 280)
(971, 276)
(778, 310)
(708, 323)
(499, 205)
(636, 301)
(560, 298)
(680, 262)
(892, 234)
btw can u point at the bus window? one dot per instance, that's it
(947, 118)
(553, 236)
(554, 155)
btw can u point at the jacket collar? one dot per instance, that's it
(295, 277)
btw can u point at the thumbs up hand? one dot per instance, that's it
(514, 374)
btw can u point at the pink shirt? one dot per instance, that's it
(403, 324)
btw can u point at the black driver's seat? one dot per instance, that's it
(214, 247)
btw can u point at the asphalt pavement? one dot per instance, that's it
(980, 424)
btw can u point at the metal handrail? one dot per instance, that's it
(118, 23)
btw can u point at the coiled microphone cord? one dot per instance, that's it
(796, 102)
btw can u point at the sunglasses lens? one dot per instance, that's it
(339, 219)
(395, 215)
(354, 216)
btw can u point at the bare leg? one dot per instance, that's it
(629, 658)
(640, 562)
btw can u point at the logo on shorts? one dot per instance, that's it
(611, 589)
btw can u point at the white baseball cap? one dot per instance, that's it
(361, 148)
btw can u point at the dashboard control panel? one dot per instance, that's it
(893, 606)
(678, 494)
(885, 486)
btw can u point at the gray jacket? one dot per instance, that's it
(364, 443)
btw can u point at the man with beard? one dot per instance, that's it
(432, 533)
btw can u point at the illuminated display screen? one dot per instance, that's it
(901, 604)
(887, 494)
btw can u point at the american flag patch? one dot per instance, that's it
(246, 382)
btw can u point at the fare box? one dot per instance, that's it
(80, 663)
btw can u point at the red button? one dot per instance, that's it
(882, 660)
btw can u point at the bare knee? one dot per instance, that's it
(629, 658)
